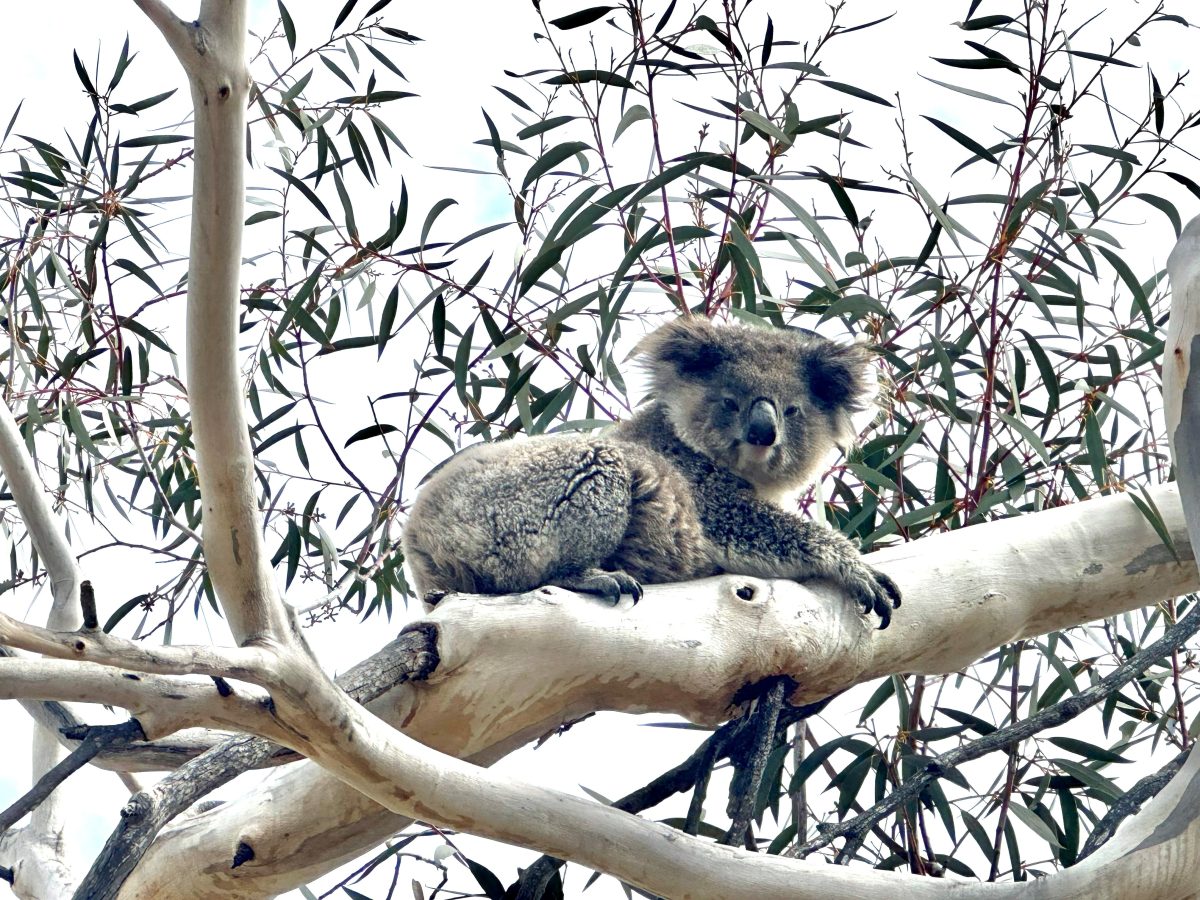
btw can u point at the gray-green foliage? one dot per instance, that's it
(656, 157)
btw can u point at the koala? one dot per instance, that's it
(689, 486)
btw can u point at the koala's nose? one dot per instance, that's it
(763, 425)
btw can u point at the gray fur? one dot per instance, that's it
(688, 486)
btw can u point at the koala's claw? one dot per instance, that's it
(433, 598)
(608, 586)
(877, 593)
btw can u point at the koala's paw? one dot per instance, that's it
(608, 586)
(874, 592)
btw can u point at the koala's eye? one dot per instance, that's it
(730, 404)
(790, 411)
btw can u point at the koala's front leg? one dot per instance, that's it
(751, 537)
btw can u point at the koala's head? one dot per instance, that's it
(767, 404)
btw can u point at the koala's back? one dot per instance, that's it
(515, 515)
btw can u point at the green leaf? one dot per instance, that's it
(369, 432)
(11, 122)
(145, 333)
(123, 610)
(517, 100)
(976, 724)
(277, 437)
(341, 16)
(1094, 443)
(952, 226)
(1111, 153)
(636, 249)
(1030, 290)
(583, 76)
(546, 259)
(303, 189)
(807, 220)
(985, 22)
(1091, 778)
(814, 760)
(1034, 823)
(978, 95)
(581, 18)
(1131, 282)
(1145, 503)
(551, 158)
(81, 72)
(1030, 436)
(155, 140)
(462, 363)
(387, 318)
(142, 105)
(635, 113)
(1166, 208)
(766, 126)
(436, 210)
(487, 880)
(977, 64)
(1088, 750)
(347, 206)
(1046, 370)
(1185, 181)
(1029, 197)
(541, 127)
(854, 91)
(508, 346)
(289, 27)
(970, 143)
(813, 263)
(262, 216)
(1100, 57)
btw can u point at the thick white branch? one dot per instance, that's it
(98, 647)
(160, 704)
(40, 870)
(212, 53)
(44, 529)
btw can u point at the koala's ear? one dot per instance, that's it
(838, 376)
(690, 346)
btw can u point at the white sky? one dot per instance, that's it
(466, 46)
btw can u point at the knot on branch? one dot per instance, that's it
(140, 806)
(242, 855)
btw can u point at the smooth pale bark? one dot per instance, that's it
(211, 50)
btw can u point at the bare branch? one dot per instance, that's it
(1129, 804)
(106, 649)
(161, 704)
(179, 35)
(44, 529)
(212, 52)
(96, 739)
